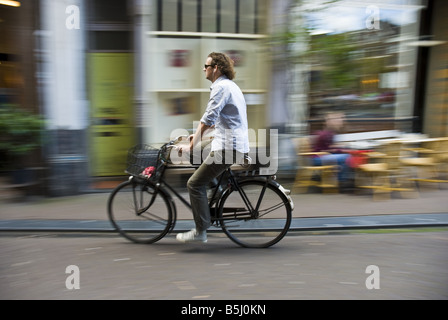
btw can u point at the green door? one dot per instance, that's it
(112, 130)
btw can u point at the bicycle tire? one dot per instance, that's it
(264, 231)
(139, 212)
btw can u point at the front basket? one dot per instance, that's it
(140, 157)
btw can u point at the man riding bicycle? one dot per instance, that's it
(227, 112)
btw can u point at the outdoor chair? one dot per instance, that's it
(384, 173)
(429, 161)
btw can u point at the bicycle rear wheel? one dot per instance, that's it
(139, 212)
(270, 224)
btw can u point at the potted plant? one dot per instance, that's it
(21, 134)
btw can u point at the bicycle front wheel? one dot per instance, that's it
(261, 228)
(139, 212)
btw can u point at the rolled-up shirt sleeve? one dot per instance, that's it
(217, 101)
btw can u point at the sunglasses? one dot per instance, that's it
(208, 65)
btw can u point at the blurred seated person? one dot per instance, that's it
(323, 141)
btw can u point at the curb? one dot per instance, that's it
(297, 224)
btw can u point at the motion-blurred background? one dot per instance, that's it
(81, 81)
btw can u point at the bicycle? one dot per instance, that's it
(253, 210)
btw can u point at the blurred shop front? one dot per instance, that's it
(378, 62)
(109, 74)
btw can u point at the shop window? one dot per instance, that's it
(362, 68)
(222, 16)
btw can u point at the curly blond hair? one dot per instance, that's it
(224, 63)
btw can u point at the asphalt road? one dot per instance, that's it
(394, 264)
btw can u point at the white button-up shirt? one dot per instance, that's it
(227, 111)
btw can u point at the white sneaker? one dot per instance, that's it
(192, 236)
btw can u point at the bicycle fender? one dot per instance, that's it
(286, 192)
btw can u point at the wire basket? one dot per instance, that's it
(141, 157)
